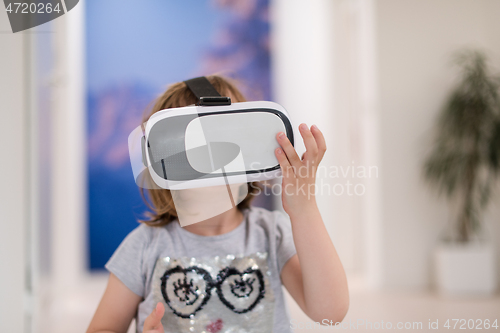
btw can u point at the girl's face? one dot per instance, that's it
(199, 204)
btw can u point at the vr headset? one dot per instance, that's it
(215, 142)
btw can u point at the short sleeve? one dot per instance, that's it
(285, 247)
(127, 261)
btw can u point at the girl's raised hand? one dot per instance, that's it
(299, 174)
(152, 324)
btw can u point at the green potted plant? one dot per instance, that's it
(463, 165)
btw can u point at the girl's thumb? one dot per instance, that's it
(153, 321)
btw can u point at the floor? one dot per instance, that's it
(369, 311)
(412, 311)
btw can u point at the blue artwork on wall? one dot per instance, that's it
(134, 49)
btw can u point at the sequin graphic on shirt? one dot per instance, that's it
(240, 291)
(186, 290)
(220, 294)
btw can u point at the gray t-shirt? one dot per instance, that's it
(224, 283)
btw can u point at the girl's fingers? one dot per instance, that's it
(286, 168)
(153, 321)
(320, 141)
(309, 142)
(290, 152)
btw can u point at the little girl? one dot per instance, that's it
(225, 274)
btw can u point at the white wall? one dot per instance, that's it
(302, 49)
(28, 302)
(324, 73)
(67, 292)
(13, 171)
(415, 41)
(374, 74)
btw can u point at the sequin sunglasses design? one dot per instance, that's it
(187, 290)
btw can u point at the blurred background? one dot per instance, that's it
(374, 75)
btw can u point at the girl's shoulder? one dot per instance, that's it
(276, 225)
(272, 220)
(266, 216)
(145, 234)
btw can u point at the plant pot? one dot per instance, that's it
(465, 269)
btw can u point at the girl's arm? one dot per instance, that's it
(117, 309)
(314, 277)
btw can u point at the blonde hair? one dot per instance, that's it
(178, 94)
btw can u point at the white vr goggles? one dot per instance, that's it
(209, 144)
